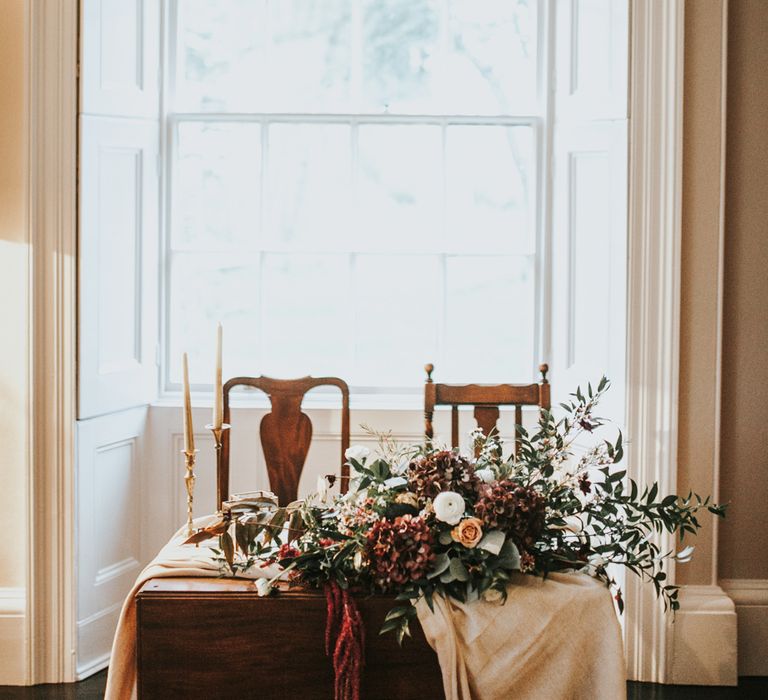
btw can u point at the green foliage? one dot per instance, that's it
(594, 517)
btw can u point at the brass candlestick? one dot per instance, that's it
(217, 435)
(189, 481)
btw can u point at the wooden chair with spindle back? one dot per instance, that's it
(486, 398)
(286, 433)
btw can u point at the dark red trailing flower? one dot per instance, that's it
(585, 485)
(400, 551)
(442, 471)
(287, 552)
(588, 424)
(516, 510)
(344, 641)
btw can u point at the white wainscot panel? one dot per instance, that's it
(120, 57)
(118, 263)
(592, 58)
(109, 538)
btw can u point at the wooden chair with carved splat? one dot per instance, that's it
(486, 398)
(286, 433)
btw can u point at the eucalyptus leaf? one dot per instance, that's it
(458, 570)
(442, 562)
(509, 557)
(492, 541)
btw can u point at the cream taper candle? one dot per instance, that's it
(189, 430)
(218, 394)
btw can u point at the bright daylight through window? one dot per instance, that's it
(353, 188)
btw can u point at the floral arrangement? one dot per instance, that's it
(423, 521)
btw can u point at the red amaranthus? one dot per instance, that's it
(517, 510)
(344, 641)
(399, 551)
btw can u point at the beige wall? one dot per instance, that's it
(13, 296)
(743, 549)
(702, 128)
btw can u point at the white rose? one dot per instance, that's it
(263, 587)
(485, 475)
(449, 507)
(358, 453)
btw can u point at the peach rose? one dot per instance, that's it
(468, 532)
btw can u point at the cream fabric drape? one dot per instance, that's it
(554, 639)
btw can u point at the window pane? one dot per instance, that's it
(400, 55)
(414, 56)
(205, 289)
(306, 315)
(490, 328)
(397, 307)
(221, 54)
(491, 187)
(217, 177)
(310, 55)
(308, 184)
(277, 56)
(491, 60)
(399, 187)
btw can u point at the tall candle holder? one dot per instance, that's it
(217, 444)
(189, 482)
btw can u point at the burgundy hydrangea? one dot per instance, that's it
(516, 510)
(399, 551)
(442, 471)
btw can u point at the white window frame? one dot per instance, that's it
(367, 396)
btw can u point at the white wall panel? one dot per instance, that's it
(120, 57)
(118, 264)
(109, 518)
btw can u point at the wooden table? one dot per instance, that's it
(216, 638)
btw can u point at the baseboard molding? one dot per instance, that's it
(703, 641)
(751, 599)
(94, 666)
(13, 662)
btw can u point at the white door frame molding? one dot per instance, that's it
(653, 294)
(51, 78)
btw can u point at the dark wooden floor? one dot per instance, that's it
(93, 689)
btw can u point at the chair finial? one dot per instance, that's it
(429, 368)
(544, 368)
